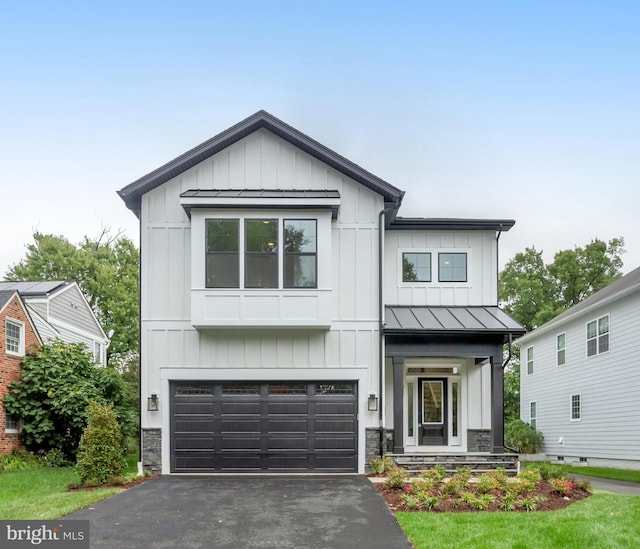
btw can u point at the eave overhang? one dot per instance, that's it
(450, 224)
(132, 193)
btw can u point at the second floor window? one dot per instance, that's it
(452, 267)
(529, 360)
(598, 336)
(561, 343)
(14, 343)
(258, 243)
(416, 267)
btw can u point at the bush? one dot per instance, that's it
(549, 470)
(55, 458)
(381, 464)
(19, 460)
(522, 437)
(396, 478)
(100, 453)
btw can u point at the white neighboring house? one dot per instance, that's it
(59, 310)
(580, 379)
(291, 321)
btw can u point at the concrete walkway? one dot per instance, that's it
(302, 512)
(614, 486)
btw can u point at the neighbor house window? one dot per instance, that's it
(14, 337)
(300, 253)
(11, 423)
(598, 336)
(261, 253)
(223, 260)
(560, 348)
(452, 267)
(576, 412)
(529, 360)
(533, 414)
(416, 267)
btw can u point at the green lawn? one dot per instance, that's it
(41, 494)
(603, 472)
(602, 520)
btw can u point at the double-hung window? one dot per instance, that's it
(598, 336)
(14, 337)
(533, 414)
(576, 408)
(253, 246)
(529, 360)
(561, 349)
(300, 253)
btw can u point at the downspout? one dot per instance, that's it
(381, 361)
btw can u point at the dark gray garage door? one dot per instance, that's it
(263, 426)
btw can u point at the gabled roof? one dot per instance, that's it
(132, 193)
(441, 320)
(5, 297)
(622, 287)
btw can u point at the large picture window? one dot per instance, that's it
(261, 253)
(452, 267)
(223, 261)
(300, 253)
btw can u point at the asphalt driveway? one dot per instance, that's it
(245, 512)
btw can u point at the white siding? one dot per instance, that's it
(481, 285)
(169, 341)
(608, 384)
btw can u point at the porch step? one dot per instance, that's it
(478, 463)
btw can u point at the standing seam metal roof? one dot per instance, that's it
(441, 319)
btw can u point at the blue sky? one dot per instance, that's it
(498, 109)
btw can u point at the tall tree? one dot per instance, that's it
(534, 293)
(105, 268)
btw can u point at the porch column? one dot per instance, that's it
(497, 404)
(398, 408)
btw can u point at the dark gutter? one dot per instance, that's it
(449, 224)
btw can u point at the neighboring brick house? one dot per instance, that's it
(17, 336)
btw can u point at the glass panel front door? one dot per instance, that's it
(433, 412)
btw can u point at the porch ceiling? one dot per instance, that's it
(450, 320)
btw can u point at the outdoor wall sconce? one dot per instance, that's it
(152, 403)
(372, 403)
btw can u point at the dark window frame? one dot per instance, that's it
(441, 256)
(286, 254)
(226, 253)
(430, 268)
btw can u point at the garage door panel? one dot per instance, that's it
(262, 427)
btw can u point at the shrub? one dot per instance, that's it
(452, 487)
(436, 474)
(55, 458)
(410, 500)
(19, 460)
(549, 470)
(396, 478)
(463, 474)
(482, 503)
(100, 453)
(531, 503)
(487, 484)
(381, 464)
(522, 437)
(560, 485)
(428, 500)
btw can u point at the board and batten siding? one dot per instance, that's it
(169, 342)
(608, 385)
(481, 285)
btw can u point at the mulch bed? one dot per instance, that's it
(553, 500)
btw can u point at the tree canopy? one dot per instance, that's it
(105, 268)
(534, 293)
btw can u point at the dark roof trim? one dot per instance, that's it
(261, 198)
(132, 193)
(35, 289)
(443, 320)
(450, 224)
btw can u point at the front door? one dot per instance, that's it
(432, 412)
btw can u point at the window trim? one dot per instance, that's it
(21, 336)
(286, 254)
(533, 417)
(466, 267)
(579, 418)
(564, 349)
(530, 373)
(598, 335)
(237, 254)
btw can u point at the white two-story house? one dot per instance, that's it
(292, 321)
(585, 416)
